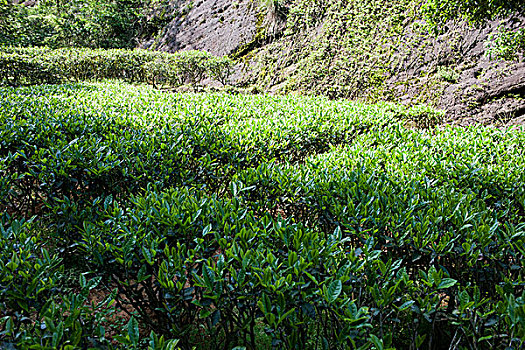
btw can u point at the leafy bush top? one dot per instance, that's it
(252, 221)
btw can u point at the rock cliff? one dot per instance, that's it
(358, 50)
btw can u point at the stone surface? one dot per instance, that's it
(486, 90)
(216, 26)
(482, 91)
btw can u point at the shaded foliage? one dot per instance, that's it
(81, 23)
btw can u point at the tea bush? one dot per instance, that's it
(31, 66)
(189, 67)
(254, 221)
(36, 311)
(206, 261)
(419, 223)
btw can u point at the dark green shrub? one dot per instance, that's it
(26, 70)
(206, 261)
(35, 310)
(160, 72)
(258, 221)
(417, 226)
(32, 66)
(188, 67)
(220, 69)
(192, 65)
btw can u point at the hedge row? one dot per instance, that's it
(94, 145)
(257, 222)
(31, 66)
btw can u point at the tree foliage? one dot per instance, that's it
(84, 23)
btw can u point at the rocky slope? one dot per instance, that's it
(217, 26)
(356, 49)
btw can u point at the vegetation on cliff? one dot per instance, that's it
(368, 48)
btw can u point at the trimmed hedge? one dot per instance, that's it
(33, 66)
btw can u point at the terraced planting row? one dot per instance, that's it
(134, 218)
(41, 65)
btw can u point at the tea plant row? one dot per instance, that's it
(31, 66)
(254, 221)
